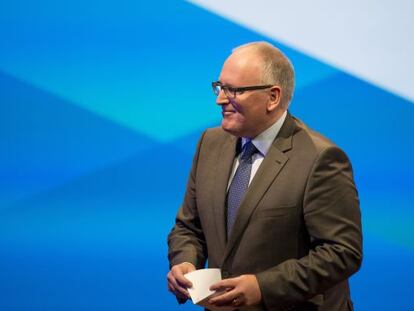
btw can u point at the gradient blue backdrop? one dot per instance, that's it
(101, 105)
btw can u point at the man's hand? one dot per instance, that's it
(177, 283)
(237, 292)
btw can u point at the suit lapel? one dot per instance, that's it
(266, 174)
(222, 174)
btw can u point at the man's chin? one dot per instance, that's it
(230, 129)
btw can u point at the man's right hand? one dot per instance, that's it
(177, 283)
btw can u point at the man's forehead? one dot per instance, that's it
(241, 67)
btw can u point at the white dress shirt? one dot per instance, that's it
(262, 142)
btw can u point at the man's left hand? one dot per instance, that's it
(237, 292)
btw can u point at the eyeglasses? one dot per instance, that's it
(234, 91)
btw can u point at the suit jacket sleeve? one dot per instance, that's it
(332, 218)
(186, 240)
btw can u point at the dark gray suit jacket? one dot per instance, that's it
(298, 228)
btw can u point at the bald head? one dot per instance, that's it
(275, 67)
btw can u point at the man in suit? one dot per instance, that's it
(270, 202)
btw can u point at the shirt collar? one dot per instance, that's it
(264, 140)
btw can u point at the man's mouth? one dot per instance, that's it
(227, 113)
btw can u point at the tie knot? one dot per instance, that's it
(248, 151)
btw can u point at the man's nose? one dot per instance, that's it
(222, 99)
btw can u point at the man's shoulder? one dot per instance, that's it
(216, 131)
(309, 138)
(216, 134)
(214, 139)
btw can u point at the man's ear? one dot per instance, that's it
(275, 98)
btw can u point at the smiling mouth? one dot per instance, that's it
(228, 111)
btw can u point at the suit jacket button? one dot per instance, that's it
(225, 274)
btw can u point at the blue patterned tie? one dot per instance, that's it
(239, 184)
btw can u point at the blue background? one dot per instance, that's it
(101, 106)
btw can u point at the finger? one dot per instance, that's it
(177, 288)
(180, 278)
(223, 284)
(224, 299)
(171, 288)
(180, 296)
(180, 290)
(173, 291)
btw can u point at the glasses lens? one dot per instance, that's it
(228, 91)
(216, 88)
